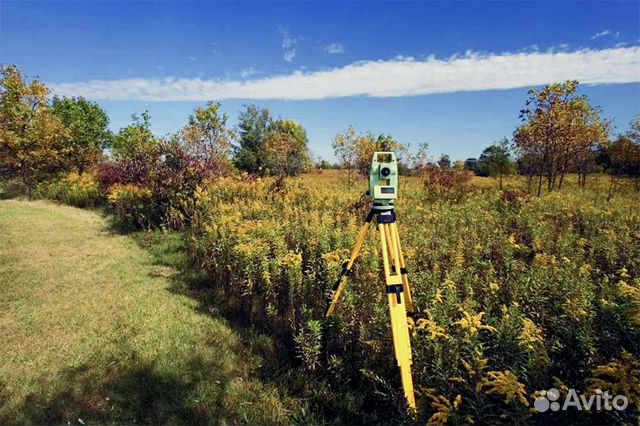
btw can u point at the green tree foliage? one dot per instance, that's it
(560, 130)
(287, 148)
(253, 133)
(135, 139)
(496, 161)
(444, 162)
(32, 139)
(471, 165)
(86, 125)
(622, 157)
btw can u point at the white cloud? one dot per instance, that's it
(334, 48)
(600, 34)
(288, 45)
(248, 72)
(391, 78)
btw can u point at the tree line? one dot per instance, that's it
(560, 133)
(41, 136)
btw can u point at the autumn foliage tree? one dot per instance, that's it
(32, 139)
(208, 138)
(287, 148)
(354, 150)
(560, 130)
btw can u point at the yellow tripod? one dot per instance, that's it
(397, 289)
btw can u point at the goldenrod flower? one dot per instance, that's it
(473, 323)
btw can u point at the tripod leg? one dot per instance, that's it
(346, 269)
(390, 250)
(398, 315)
(403, 269)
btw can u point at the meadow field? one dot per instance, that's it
(222, 322)
(184, 278)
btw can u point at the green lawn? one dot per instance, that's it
(94, 329)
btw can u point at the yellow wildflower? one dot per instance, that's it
(448, 283)
(444, 408)
(623, 272)
(437, 298)
(506, 385)
(545, 260)
(431, 327)
(585, 269)
(620, 376)
(473, 323)
(531, 335)
(574, 308)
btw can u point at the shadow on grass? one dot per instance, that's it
(12, 189)
(320, 397)
(136, 393)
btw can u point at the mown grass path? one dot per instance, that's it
(91, 329)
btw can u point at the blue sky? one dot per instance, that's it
(331, 65)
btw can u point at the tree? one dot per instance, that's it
(355, 151)
(344, 148)
(421, 157)
(367, 144)
(32, 139)
(208, 138)
(254, 128)
(471, 165)
(634, 130)
(135, 138)
(86, 125)
(496, 160)
(444, 162)
(622, 156)
(286, 148)
(558, 128)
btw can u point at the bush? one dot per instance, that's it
(12, 188)
(80, 190)
(445, 183)
(131, 205)
(172, 176)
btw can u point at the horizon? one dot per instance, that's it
(421, 72)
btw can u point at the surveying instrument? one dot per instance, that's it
(383, 188)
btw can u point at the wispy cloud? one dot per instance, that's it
(334, 48)
(289, 44)
(390, 78)
(601, 34)
(248, 72)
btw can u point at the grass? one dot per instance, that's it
(93, 328)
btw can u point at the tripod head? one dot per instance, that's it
(383, 179)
